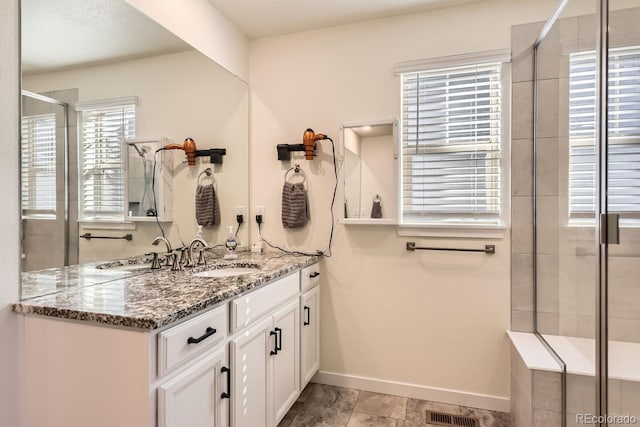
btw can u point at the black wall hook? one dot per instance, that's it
(214, 154)
(284, 150)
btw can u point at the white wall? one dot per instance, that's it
(180, 95)
(200, 24)
(437, 320)
(10, 323)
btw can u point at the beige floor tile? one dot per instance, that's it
(384, 405)
(359, 419)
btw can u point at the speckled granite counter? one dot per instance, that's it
(150, 300)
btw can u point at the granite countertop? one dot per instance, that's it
(147, 300)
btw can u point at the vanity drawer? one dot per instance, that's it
(309, 277)
(177, 344)
(252, 306)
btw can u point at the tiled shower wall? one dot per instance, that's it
(566, 264)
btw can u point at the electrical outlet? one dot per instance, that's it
(260, 211)
(241, 210)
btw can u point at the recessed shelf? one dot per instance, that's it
(368, 221)
(370, 154)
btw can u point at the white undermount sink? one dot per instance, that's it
(227, 272)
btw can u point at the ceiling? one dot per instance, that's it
(65, 34)
(70, 33)
(275, 17)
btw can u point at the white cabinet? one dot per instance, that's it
(310, 335)
(265, 369)
(238, 364)
(250, 374)
(197, 396)
(286, 361)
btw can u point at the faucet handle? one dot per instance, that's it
(201, 260)
(155, 263)
(168, 259)
(184, 257)
(175, 266)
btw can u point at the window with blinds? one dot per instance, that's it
(451, 145)
(623, 132)
(38, 166)
(102, 161)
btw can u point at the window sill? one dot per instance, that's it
(107, 225)
(455, 231)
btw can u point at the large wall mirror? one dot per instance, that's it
(92, 68)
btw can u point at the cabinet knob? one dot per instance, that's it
(314, 274)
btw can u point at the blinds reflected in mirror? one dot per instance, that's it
(102, 161)
(451, 143)
(38, 166)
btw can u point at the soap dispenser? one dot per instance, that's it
(231, 244)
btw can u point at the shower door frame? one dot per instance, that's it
(601, 216)
(65, 171)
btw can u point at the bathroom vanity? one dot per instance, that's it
(167, 348)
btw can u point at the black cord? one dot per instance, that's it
(271, 245)
(153, 190)
(237, 230)
(333, 199)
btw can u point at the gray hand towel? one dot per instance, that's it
(376, 209)
(207, 205)
(295, 205)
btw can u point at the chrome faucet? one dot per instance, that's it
(167, 244)
(192, 245)
(164, 240)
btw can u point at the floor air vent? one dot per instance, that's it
(444, 419)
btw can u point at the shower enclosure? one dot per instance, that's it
(48, 202)
(586, 206)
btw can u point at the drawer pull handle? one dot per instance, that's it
(275, 344)
(314, 274)
(279, 346)
(226, 395)
(307, 312)
(210, 331)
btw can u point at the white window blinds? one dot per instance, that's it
(623, 133)
(38, 163)
(102, 157)
(451, 143)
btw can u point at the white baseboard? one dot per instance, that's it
(415, 391)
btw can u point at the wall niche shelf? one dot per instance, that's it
(370, 156)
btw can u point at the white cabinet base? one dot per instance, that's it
(309, 335)
(193, 397)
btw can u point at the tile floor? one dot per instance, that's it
(323, 405)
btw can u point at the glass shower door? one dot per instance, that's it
(623, 199)
(44, 197)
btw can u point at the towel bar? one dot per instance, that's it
(88, 236)
(488, 249)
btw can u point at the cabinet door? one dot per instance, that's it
(250, 376)
(310, 335)
(193, 397)
(286, 363)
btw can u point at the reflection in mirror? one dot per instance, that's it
(369, 153)
(43, 171)
(89, 54)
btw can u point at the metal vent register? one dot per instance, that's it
(444, 419)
